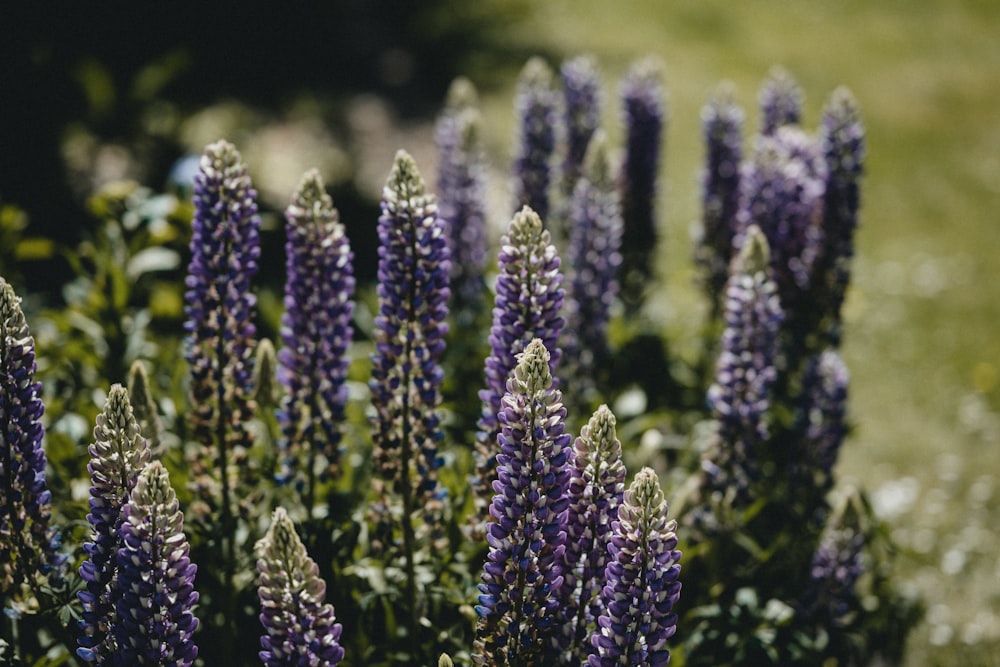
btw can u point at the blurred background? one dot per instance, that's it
(128, 92)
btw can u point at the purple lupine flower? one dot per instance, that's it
(225, 247)
(117, 456)
(29, 546)
(409, 335)
(823, 421)
(581, 85)
(461, 189)
(596, 486)
(529, 299)
(837, 565)
(780, 101)
(842, 141)
(642, 581)
(536, 107)
(595, 257)
(155, 590)
(315, 330)
(740, 397)
(644, 103)
(722, 127)
(300, 627)
(519, 605)
(781, 191)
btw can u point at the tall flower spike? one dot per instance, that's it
(140, 395)
(409, 334)
(722, 127)
(823, 424)
(842, 141)
(300, 627)
(28, 545)
(595, 257)
(740, 397)
(519, 604)
(780, 100)
(117, 456)
(225, 248)
(596, 486)
(838, 563)
(155, 590)
(529, 299)
(642, 581)
(643, 99)
(315, 332)
(581, 85)
(461, 190)
(536, 107)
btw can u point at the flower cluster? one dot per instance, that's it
(519, 605)
(155, 589)
(28, 544)
(529, 301)
(117, 456)
(413, 293)
(780, 101)
(642, 581)
(824, 425)
(315, 328)
(581, 86)
(301, 628)
(536, 109)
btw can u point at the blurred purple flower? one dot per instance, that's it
(823, 422)
(581, 86)
(837, 565)
(155, 589)
(642, 581)
(315, 330)
(535, 108)
(519, 605)
(117, 455)
(780, 100)
(301, 628)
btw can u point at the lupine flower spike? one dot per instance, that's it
(581, 85)
(837, 565)
(140, 395)
(643, 583)
(154, 624)
(225, 247)
(461, 189)
(722, 127)
(780, 101)
(409, 335)
(842, 141)
(740, 397)
(529, 300)
(643, 99)
(823, 424)
(595, 258)
(29, 546)
(117, 456)
(315, 332)
(597, 482)
(536, 109)
(300, 627)
(519, 605)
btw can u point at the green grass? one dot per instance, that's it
(923, 311)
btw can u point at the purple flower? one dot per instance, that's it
(581, 85)
(836, 567)
(117, 455)
(409, 334)
(596, 486)
(643, 98)
(529, 298)
(536, 105)
(519, 604)
(722, 126)
(461, 190)
(301, 628)
(225, 247)
(740, 397)
(315, 330)
(842, 141)
(155, 589)
(29, 547)
(823, 425)
(782, 193)
(780, 100)
(642, 581)
(595, 257)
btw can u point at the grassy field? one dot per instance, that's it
(921, 337)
